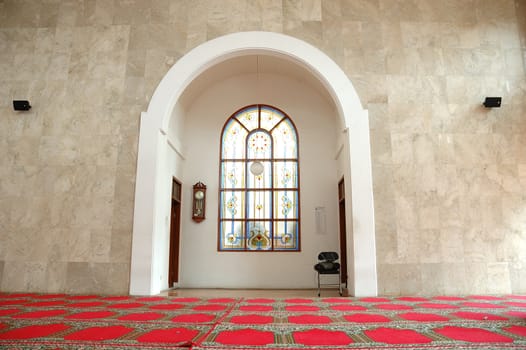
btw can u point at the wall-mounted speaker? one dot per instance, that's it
(21, 105)
(492, 102)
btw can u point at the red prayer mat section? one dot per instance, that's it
(245, 337)
(257, 308)
(35, 331)
(474, 335)
(322, 337)
(309, 319)
(397, 336)
(59, 321)
(99, 333)
(181, 336)
(40, 314)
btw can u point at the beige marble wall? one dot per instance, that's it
(449, 194)
(449, 175)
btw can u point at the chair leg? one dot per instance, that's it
(319, 291)
(340, 285)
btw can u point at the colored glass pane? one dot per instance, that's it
(259, 145)
(263, 180)
(233, 175)
(258, 235)
(285, 142)
(285, 204)
(232, 234)
(286, 174)
(233, 141)
(259, 204)
(232, 204)
(249, 118)
(269, 118)
(286, 235)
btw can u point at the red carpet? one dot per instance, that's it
(397, 336)
(321, 337)
(58, 321)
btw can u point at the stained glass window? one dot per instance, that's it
(259, 182)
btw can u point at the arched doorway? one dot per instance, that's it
(152, 197)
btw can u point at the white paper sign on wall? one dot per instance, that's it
(321, 221)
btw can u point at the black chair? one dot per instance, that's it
(327, 265)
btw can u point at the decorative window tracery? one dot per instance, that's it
(259, 182)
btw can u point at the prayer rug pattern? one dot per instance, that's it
(59, 321)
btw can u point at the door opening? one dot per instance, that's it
(343, 233)
(175, 225)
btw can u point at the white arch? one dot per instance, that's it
(152, 139)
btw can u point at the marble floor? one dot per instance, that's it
(250, 293)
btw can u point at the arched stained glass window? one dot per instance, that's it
(259, 182)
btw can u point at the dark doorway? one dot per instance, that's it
(343, 232)
(175, 225)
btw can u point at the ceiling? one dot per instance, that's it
(252, 64)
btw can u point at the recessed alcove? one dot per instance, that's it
(180, 137)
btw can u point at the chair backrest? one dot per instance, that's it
(328, 256)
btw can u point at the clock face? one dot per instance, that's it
(199, 195)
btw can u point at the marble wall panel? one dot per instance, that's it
(131, 12)
(387, 245)
(102, 278)
(499, 278)
(460, 35)
(135, 63)
(100, 245)
(476, 276)
(18, 181)
(388, 279)
(433, 281)
(451, 244)
(55, 272)
(362, 10)
(449, 175)
(408, 245)
(454, 278)
(378, 116)
(381, 143)
(120, 248)
(370, 88)
(517, 277)
(410, 279)
(25, 275)
(334, 47)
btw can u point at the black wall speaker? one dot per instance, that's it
(491, 102)
(21, 105)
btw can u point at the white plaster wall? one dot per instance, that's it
(171, 165)
(175, 131)
(315, 118)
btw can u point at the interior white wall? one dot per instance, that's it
(171, 165)
(316, 120)
(175, 131)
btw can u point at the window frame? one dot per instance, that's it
(247, 189)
